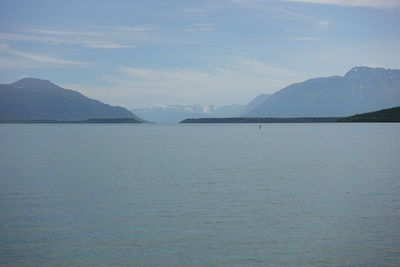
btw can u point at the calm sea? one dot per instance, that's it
(200, 195)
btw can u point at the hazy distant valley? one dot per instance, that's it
(177, 113)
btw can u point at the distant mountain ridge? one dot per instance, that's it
(177, 113)
(36, 99)
(256, 101)
(362, 89)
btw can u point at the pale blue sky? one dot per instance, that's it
(148, 53)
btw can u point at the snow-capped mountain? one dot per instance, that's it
(177, 113)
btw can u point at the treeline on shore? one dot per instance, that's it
(384, 115)
(261, 120)
(118, 120)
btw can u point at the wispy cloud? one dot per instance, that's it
(306, 39)
(100, 37)
(193, 10)
(139, 28)
(199, 27)
(103, 44)
(5, 36)
(92, 37)
(36, 57)
(59, 32)
(201, 7)
(10, 63)
(354, 3)
(272, 6)
(45, 59)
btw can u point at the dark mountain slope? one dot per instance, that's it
(35, 99)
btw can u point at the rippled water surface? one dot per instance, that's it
(200, 195)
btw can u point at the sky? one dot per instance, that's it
(150, 53)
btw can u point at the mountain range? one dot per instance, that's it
(362, 89)
(177, 113)
(36, 99)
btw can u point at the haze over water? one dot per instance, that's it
(200, 195)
